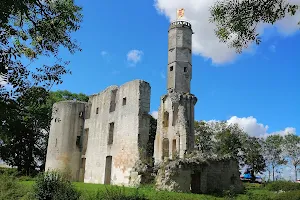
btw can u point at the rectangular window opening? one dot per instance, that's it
(185, 69)
(112, 107)
(171, 68)
(97, 110)
(124, 101)
(78, 141)
(111, 133)
(85, 140)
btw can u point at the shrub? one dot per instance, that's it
(54, 186)
(292, 195)
(10, 189)
(282, 185)
(8, 171)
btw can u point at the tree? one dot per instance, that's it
(237, 20)
(292, 149)
(25, 128)
(253, 156)
(273, 153)
(152, 133)
(230, 140)
(203, 137)
(30, 29)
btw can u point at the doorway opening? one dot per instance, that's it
(108, 165)
(196, 182)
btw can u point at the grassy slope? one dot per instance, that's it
(90, 189)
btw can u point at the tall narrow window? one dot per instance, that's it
(165, 148)
(78, 141)
(174, 152)
(166, 119)
(112, 107)
(171, 68)
(185, 69)
(97, 110)
(111, 133)
(85, 139)
(124, 101)
(175, 114)
(108, 165)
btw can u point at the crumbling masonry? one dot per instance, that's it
(104, 140)
(175, 124)
(100, 141)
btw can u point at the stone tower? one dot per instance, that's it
(175, 125)
(64, 144)
(179, 57)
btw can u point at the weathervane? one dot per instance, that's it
(180, 13)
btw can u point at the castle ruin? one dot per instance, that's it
(102, 140)
(175, 124)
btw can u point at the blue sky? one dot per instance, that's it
(262, 83)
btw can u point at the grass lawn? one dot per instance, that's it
(254, 191)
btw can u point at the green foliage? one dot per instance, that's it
(54, 186)
(273, 152)
(62, 95)
(292, 147)
(8, 171)
(152, 133)
(253, 155)
(221, 139)
(24, 130)
(10, 189)
(24, 134)
(283, 185)
(292, 195)
(237, 21)
(31, 29)
(203, 136)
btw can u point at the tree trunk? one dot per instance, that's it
(269, 175)
(295, 172)
(273, 168)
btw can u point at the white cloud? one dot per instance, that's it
(272, 48)
(154, 114)
(253, 128)
(104, 53)
(162, 75)
(134, 56)
(249, 125)
(205, 43)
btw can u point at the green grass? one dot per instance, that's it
(148, 191)
(89, 191)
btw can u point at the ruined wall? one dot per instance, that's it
(206, 177)
(64, 144)
(112, 150)
(175, 126)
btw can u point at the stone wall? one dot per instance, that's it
(118, 128)
(64, 146)
(175, 126)
(200, 177)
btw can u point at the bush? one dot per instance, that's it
(292, 195)
(8, 171)
(54, 186)
(10, 189)
(282, 185)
